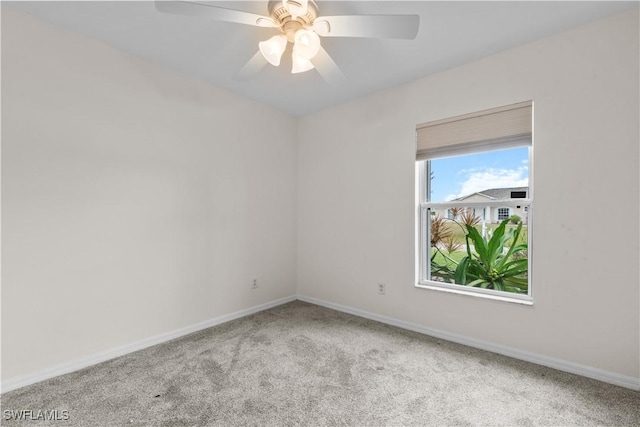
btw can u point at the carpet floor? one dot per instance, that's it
(300, 364)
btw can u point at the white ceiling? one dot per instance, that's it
(451, 33)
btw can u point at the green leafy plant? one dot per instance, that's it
(496, 263)
(515, 219)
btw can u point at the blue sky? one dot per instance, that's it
(460, 176)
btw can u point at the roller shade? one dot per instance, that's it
(498, 128)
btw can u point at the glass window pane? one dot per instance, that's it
(482, 176)
(460, 238)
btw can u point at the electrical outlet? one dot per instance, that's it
(255, 284)
(381, 288)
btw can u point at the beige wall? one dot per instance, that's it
(135, 201)
(356, 198)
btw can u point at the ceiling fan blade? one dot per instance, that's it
(188, 8)
(328, 69)
(251, 68)
(377, 26)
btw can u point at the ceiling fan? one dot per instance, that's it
(299, 23)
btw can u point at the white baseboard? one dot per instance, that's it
(18, 382)
(562, 365)
(559, 364)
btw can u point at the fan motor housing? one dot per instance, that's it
(280, 14)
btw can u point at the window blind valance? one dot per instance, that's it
(497, 128)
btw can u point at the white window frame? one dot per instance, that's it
(424, 227)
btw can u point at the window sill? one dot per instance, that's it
(479, 293)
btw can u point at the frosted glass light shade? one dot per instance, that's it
(296, 7)
(307, 43)
(300, 63)
(273, 49)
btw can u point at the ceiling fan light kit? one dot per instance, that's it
(300, 63)
(273, 49)
(306, 43)
(295, 20)
(298, 23)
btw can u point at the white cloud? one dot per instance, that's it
(483, 179)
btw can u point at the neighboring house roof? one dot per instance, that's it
(496, 193)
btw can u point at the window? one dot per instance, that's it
(503, 213)
(474, 199)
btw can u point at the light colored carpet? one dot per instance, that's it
(300, 364)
